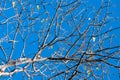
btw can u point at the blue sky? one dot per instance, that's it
(31, 47)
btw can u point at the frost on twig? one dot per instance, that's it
(13, 4)
(93, 39)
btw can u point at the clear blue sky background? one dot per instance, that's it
(116, 13)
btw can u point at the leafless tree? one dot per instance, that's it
(58, 39)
